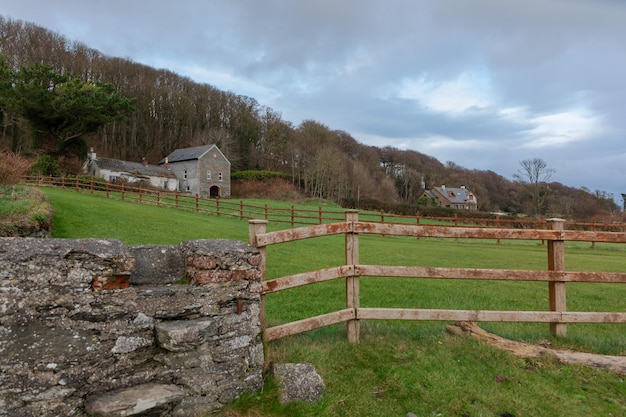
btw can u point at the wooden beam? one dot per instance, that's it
(305, 325)
(306, 278)
(456, 315)
(455, 232)
(488, 274)
(290, 235)
(489, 315)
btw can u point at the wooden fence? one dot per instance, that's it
(291, 215)
(352, 271)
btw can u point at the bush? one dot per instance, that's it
(12, 167)
(45, 165)
(258, 175)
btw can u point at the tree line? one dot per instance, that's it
(152, 111)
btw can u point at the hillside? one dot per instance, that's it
(174, 112)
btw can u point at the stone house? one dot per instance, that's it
(115, 170)
(202, 170)
(453, 198)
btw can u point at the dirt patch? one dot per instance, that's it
(615, 364)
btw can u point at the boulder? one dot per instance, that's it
(298, 382)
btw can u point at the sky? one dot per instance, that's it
(484, 84)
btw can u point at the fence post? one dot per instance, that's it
(417, 218)
(256, 227)
(556, 262)
(593, 227)
(352, 282)
(498, 225)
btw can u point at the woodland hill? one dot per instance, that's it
(174, 112)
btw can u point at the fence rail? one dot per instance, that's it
(294, 216)
(557, 316)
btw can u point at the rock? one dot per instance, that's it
(133, 401)
(298, 382)
(125, 344)
(157, 265)
(184, 335)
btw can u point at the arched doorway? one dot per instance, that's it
(214, 191)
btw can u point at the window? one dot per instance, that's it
(185, 175)
(220, 176)
(208, 175)
(187, 188)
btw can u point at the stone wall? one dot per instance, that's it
(91, 327)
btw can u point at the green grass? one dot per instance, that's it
(22, 209)
(81, 215)
(402, 367)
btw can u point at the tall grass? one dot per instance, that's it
(402, 367)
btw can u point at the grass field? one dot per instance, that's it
(402, 367)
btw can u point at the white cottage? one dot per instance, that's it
(114, 170)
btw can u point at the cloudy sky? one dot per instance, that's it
(482, 83)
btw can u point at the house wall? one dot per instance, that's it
(179, 168)
(214, 161)
(91, 327)
(170, 184)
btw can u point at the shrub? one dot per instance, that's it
(12, 167)
(45, 165)
(253, 175)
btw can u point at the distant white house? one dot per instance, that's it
(453, 198)
(114, 170)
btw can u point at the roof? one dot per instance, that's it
(187, 154)
(456, 195)
(134, 168)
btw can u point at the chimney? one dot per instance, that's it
(92, 154)
(167, 163)
(144, 161)
(443, 187)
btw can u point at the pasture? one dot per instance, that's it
(402, 367)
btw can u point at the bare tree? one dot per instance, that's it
(535, 173)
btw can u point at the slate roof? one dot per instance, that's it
(187, 154)
(456, 195)
(134, 168)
